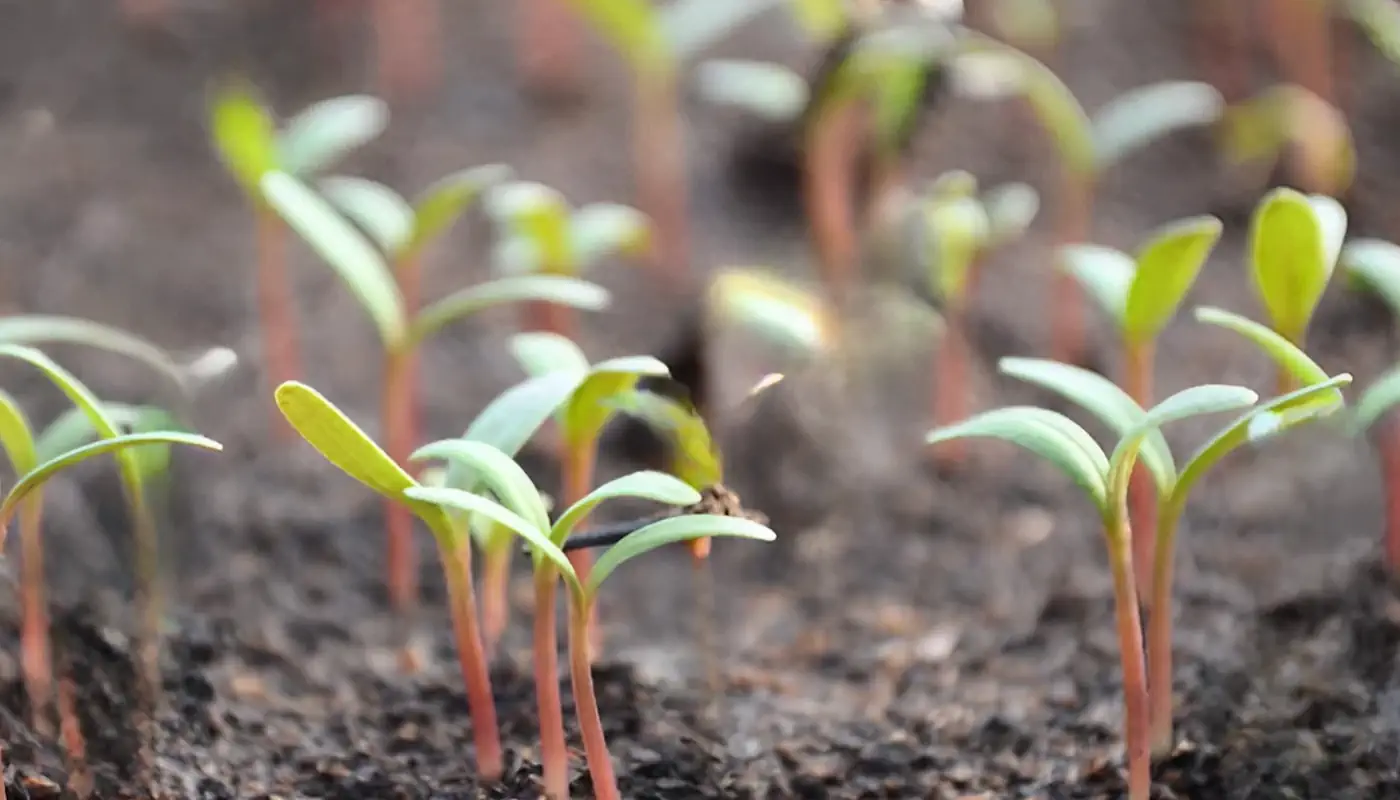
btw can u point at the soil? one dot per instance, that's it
(911, 635)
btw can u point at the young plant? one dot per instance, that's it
(350, 450)
(1112, 406)
(1289, 121)
(36, 461)
(518, 507)
(1294, 243)
(403, 330)
(1141, 293)
(248, 141)
(1104, 478)
(581, 418)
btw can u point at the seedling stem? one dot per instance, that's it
(276, 307)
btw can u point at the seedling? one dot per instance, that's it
(35, 462)
(1294, 243)
(1141, 294)
(582, 416)
(1288, 120)
(521, 511)
(402, 330)
(349, 449)
(247, 140)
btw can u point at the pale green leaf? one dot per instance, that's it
(340, 441)
(538, 214)
(494, 470)
(1143, 115)
(558, 289)
(1332, 221)
(456, 501)
(690, 26)
(633, 28)
(695, 457)
(766, 90)
(657, 487)
(593, 403)
(542, 352)
(442, 203)
(821, 19)
(598, 230)
(953, 184)
(1380, 19)
(41, 329)
(1196, 401)
(1375, 264)
(327, 131)
(1167, 266)
(775, 308)
(343, 248)
(958, 230)
(244, 134)
(379, 211)
(1011, 208)
(671, 531)
(1052, 436)
(17, 435)
(1289, 263)
(1377, 400)
(1106, 274)
(73, 428)
(1282, 352)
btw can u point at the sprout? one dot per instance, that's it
(402, 232)
(1294, 243)
(349, 449)
(248, 142)
(518, 507)
(35, 461)
(1142, 293)
(1291, 119)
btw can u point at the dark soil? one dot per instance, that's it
(955, 642)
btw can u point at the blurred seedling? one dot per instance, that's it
(1300, 34)
(1294, 243)
(401, 231)
(35, 460)
(1141, 294)
(1120, 413)
(1286, 122)
(250, 144)
(517, 505)
(1104, 478)
(350, 450)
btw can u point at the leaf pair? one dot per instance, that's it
(1143, 292)
(1294, 243)
(959, 226)
(542, 233)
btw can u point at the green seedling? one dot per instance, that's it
(582, 416)
(1294, 243)
(1290, 121)
(403, 330)
(1374, 265)
(1117, 410)
(1141, 293)
(517, 506)
(350, 450)
(1104, 479)
(37, 460)
(248, 141)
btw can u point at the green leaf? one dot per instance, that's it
(16, 435)
(73, 428)
(696, 458)
(442, 203)
(775, 308)
(1284, 353)
(1143, 115)
(592, 403)
(821, 19)
(542, 353)
(1375, 264)
(671, 531)
(690, 26)
(598, 230)
(633, 28)
(377, 209)
(1167, 266)
(327, 131)
(538, 214)
(343, 248)
(1052, 436)
(244, 134)
(1289, 262)
(496, 471)
(41, 329)
(1011, 208)
(76, 392)
(1106, 274)
(766, 90)
(558, 289)
(644, 485)
(456, 501)
(1376, 401)
(1380, 19)
(1286, 410)
(898, 97)
(1102, 398)
(958, 230)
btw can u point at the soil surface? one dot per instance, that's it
(911, 635)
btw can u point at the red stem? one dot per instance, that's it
(1222, 36)
(79, 779)
(1067, 315)
(554, 751)
(34, 635)
(406, 40)
(661, 175)
(831, 146)
(1135, 699)
(1390, 474)
(548, 56)
(277, 308)
(1159, 634)
(595, 745)
(578, 480)
(1142, 494)
(495, 597)
(471, 656)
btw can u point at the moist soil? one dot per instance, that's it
(912, 634)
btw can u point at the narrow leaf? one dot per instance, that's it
(775, 308)
(1288, 260)
(695, 457)
(442, 203)
(558, 289)
(1143, 115)
(343, 248)
(328, 131)
(1167, 266)
(41, 329)
(377, 209)
(542, 352)
(594, 401)
(598, 230)
(1106, 274)
(243, 133)
(1283, 352)
(766, 90)
(494, 470)
(457, 501)
(340, 441)
(1193, 402)
(671, 531)
(657, 487)
(691, 26)
(1377, 400)
(16, 435)
(1375, 264)
(958, 230)
(73, 428)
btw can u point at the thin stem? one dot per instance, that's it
(1159, 634)
(832, 142)
(471, 656)
(276, 307)
(950, 374)
(548, 56)
(554, 751)
(34, 637)
(662, 180)
(590, 723)
(79, 778)
(578, 480)
(1142, 494)
(149, 598)
(1135, 699)
(1067, 315)
(1390, 474)
(395, 408)
(495, 597)
(406, 41)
